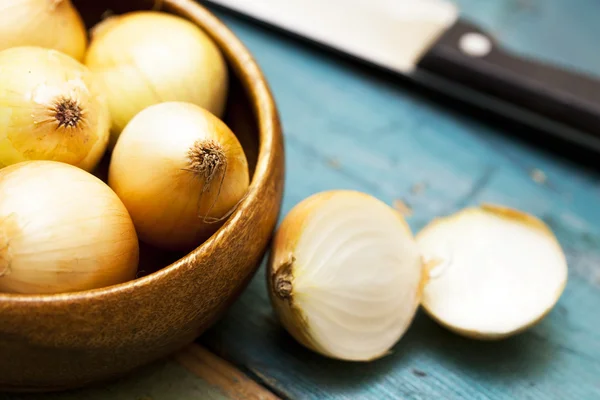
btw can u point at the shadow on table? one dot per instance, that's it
(424, 362)
(426, 343)
(502, 360)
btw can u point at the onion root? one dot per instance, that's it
(67, 112)
(282, 281)
(207, 159)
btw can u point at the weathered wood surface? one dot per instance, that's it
(221, 375)
(347, 128)
(191, 374)
(165, 380)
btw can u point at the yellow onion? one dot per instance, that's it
(178, 169)
(148, 57)
(53, 24)
(345, 275)
(499, 271)
(51, 108)
(62, 230)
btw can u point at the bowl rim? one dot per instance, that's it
(240, 59)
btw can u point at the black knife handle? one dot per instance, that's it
(558, 94)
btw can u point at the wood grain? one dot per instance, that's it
(192, 373)
(219, 373)
(348, 128)
(165, 380)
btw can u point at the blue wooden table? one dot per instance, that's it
(347, 128)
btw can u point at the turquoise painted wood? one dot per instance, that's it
(347, 128)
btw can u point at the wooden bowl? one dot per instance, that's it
(55, 342)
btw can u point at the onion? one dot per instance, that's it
(51, 108)
(62, 230)
(53, 24)
(148, 57)
(178, 168)
(499, 271)
(345, 275)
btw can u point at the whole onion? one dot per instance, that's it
(148, 57)
(62, 230)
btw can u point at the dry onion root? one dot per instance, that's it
(147, 57)
(499, 271)
(345, 275)
(179, 169)
(62, 230)
(53, 24)
(51, 108)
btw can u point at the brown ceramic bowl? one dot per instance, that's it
(55, 342)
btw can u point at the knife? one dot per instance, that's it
(430, 42)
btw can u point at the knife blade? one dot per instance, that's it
(429, 41)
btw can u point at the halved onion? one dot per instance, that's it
(499, 271)
(345, 275)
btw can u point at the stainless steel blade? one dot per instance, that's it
(390, 33)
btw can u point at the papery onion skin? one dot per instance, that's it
(51, 108)
(53, 24)
(62, 230)
(147, 57)
(285, 267)
(154, 170)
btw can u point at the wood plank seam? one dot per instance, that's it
(221, 374)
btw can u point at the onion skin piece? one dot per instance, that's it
(52, 24)
(62, 230)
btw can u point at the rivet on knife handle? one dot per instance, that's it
(465, 54)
